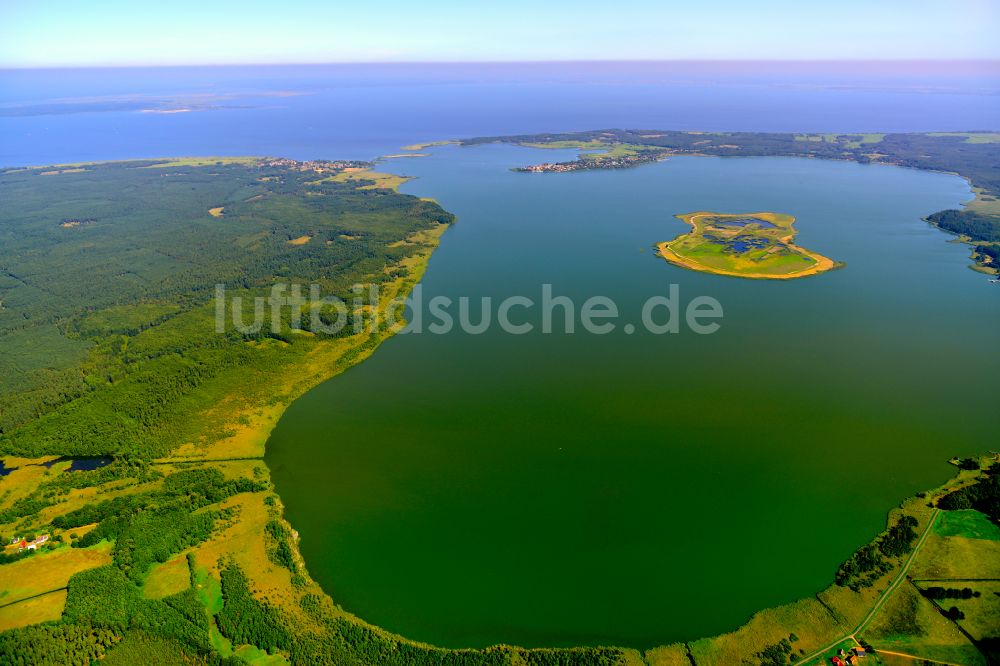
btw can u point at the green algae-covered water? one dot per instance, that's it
(553, 490)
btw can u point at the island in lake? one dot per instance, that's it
(749, 245)
(972, 155)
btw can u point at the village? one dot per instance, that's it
(319, 166)
(598, 162)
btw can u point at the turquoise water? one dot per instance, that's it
(640, 489)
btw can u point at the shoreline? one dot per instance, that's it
(667, 654)
(250, 441)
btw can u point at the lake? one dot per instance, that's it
(569, 489)
(580, 489)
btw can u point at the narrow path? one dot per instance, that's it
(920, 659)
(175, 461)
(956, 580)
(882, 598)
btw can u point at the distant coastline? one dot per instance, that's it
(970, 155)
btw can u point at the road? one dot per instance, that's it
(882, 598)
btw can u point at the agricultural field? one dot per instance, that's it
(972, 137)
(45, 608)
(48, 571)
(366, 178)
(852, 141)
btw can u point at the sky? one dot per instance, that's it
(66, 33)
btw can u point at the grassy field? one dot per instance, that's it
(749, 245)
(973, 137)
(806, 620)
(969, 523)
(614, 150)
(167, 578)
(593, 144)
(378, 180)
(668, 655)
(21, 483)
(46, 608)
(201, 162)
(596, 149)
(981, 612)
(958, 557)
(851, 141)
(985, 202)
(910, 624)
(47, 571)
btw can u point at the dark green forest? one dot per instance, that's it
(107, 277)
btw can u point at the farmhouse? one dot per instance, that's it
(33, 544)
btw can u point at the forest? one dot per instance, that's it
(107, 275)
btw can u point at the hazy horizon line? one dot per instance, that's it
(582, 61)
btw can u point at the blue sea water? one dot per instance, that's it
(361, 111)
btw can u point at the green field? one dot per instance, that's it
(852, 141)
(972, 137)
(969, 524)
